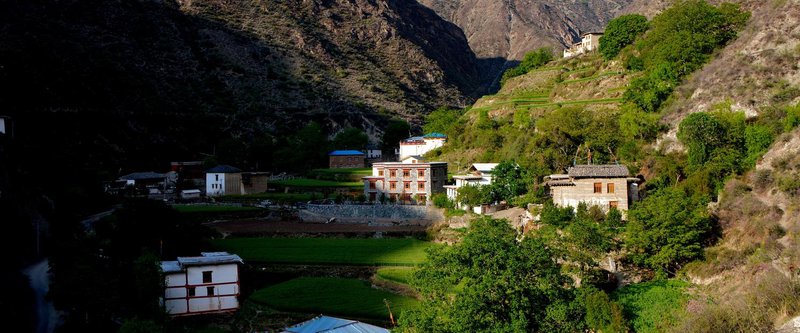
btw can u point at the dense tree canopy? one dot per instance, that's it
(490, 282)
(621, 32)
(350, 138)
(396, 130)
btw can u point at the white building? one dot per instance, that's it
(373, 151)
(419, 145)
(205, 284)
(479, 174)
(590, 41)
(223, 179)
(410, 181)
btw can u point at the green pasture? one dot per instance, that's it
(333, 296)
(328, 251)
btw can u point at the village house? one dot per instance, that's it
(373, 151)
(325, 324)
(412, 180)
(343, 159)
(479, 174)
(5, 125)
(205, 284)
(419, 145)
(605, 186)
(590, 41)
(227, 180)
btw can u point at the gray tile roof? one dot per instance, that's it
(142, 176)
(222, 168)
(598, 171)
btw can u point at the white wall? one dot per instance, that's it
(224, 281)
(215, 184)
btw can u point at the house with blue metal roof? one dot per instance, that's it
(345, 159)
(327, 324)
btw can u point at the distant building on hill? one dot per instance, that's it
(373, 151)
(411, 181)
(419, 145)
(605, 186)
(205, 284)
(590, 41)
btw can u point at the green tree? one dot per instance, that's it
(136, 325)
(443, 120)
(701, 133)
(758, 138)
(304, 150)
(621, 32)
(149, 284)
(602, 314)
(396, 130)
(667, 229)
(350, 138)
(508, 181)
(474, 195)
(489, 282)
(531, 61)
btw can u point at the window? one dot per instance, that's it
(206, 276)
(434, 172)
(421, 186)
(380, 173)
(610, 188)
(612, 204)
(407, 186)
(406, 173)
(392, 173)
(598, 187)
(392, 186)
(371, 185)
(421, 173)
(216, 177)
(210, 291)
(190, 291)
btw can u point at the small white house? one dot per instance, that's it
(205, 284)
(479, 174)
(222, 180)
(373, 151)
(590, 41)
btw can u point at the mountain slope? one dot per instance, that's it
(172, 79)
(503, 31)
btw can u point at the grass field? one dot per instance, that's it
(304, 182)
(279, 197)
(396, 274)
(212, 208)
(347, 171)
(343, 251)
(333, 296)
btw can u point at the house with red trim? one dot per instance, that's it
(410, 181)
(208, 283)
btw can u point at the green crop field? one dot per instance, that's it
(304, 182)
(396, 274)
(344, 251)
(212, 208)
(333, 296)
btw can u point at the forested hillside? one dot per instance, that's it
(690, 105)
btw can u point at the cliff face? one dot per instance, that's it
(501, 32)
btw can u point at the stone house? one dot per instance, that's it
(605, 186)
(410, 181)
(342, 159)
(227, 180)
(479, 174)
(590, 41)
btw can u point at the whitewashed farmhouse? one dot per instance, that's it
(479, 174)
(590, 41)
(205, 284)
(419, 145)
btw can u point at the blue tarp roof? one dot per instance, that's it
(345, 152)
(435, 135)
(222, 168)
(333, 325)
